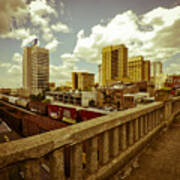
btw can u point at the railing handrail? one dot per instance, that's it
(42, 144)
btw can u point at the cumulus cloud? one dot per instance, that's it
(153, 35)
(17, 58)
(9, 11)
(12, 70)
(63, 72)
(62, 8)
(60, 27)
(39, 11)
(173, 68)
(18, 34)
(52, 45)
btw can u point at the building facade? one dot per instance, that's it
(83, 81)
(114, 64)
(156, 68)
(147, 71)
(138, 69)
(35, 69)
(135, 68)
(74, 80)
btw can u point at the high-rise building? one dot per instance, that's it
(156, 68)
(35, 69)
(138, 69)
(114, 64)
(82, 81)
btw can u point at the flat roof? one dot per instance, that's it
(80, 107)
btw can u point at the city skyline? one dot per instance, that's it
(75, 33)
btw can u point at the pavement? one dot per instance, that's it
(161, 161)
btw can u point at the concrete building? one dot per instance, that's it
(83, 81)
(138, 69)
(147, 70)
(89, 98)
(35, 69)
(114, 64)
(135, 68)
(156, 68)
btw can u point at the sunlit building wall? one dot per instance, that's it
(114, 64)
(83, 81)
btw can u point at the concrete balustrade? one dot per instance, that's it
(95, 149)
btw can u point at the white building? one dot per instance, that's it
(35, 69)
(88, 97)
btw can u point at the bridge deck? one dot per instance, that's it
(162, 159)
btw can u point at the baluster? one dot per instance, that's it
(32, 170)
(76, 162)
(142, 126)
(57, 170)
(152, 119)
(131, 133)
(115, 141)
(123, 137)
(156, 117)
(146, 123)
(136, 130)
(149, 122)
(104, 151)
(92, 155)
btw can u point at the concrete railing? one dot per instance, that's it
(94, 149)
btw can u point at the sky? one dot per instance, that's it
(75, 31)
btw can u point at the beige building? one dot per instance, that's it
(156, 68)
(114, 64)
(82, 81)
(35, 69)
(138, 69)
(147, 71)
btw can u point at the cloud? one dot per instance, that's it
(52, 45)
(173, 68)
(47, 34)
(39, 11)
(153, 35)
(17, 58)
(9, 11)
(18, 34)
(62, 6)
(60, 27)
(12, 71)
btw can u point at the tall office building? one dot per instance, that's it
(156, 68)
(82, 81)
(35, 69)
(138, 69)
(114, 64)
